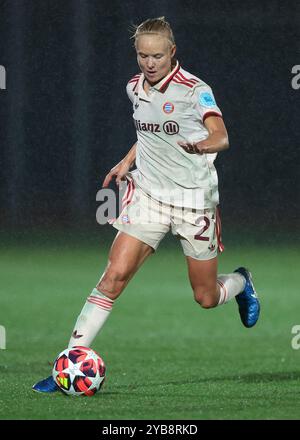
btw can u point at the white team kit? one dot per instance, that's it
(171, 189)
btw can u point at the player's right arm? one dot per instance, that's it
(121, 169)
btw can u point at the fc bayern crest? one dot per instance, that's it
(168, 107)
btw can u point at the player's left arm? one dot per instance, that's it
(216, 141)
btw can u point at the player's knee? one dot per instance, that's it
(204, 298)
(112, 283)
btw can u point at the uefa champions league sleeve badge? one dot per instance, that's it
(206, 99)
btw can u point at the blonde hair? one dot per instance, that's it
(157, 26)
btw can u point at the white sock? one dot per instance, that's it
(230, 285)
(91, 319)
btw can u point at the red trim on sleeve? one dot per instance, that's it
(211, 114)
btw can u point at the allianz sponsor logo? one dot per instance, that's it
(169, 127)
(146, 126)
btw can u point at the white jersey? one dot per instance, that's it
(174, 110)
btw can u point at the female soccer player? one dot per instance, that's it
(174, 187)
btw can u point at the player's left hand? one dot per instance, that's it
(194, 147)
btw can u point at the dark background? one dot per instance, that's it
(65, 118)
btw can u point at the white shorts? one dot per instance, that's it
(142, 217)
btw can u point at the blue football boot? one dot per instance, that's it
(46, 386)
(247, 300)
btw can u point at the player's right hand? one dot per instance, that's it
(118, 172)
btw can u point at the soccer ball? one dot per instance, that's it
(79, 371)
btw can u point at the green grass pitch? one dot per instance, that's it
(166, 357)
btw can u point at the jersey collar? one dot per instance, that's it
(163, 83)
